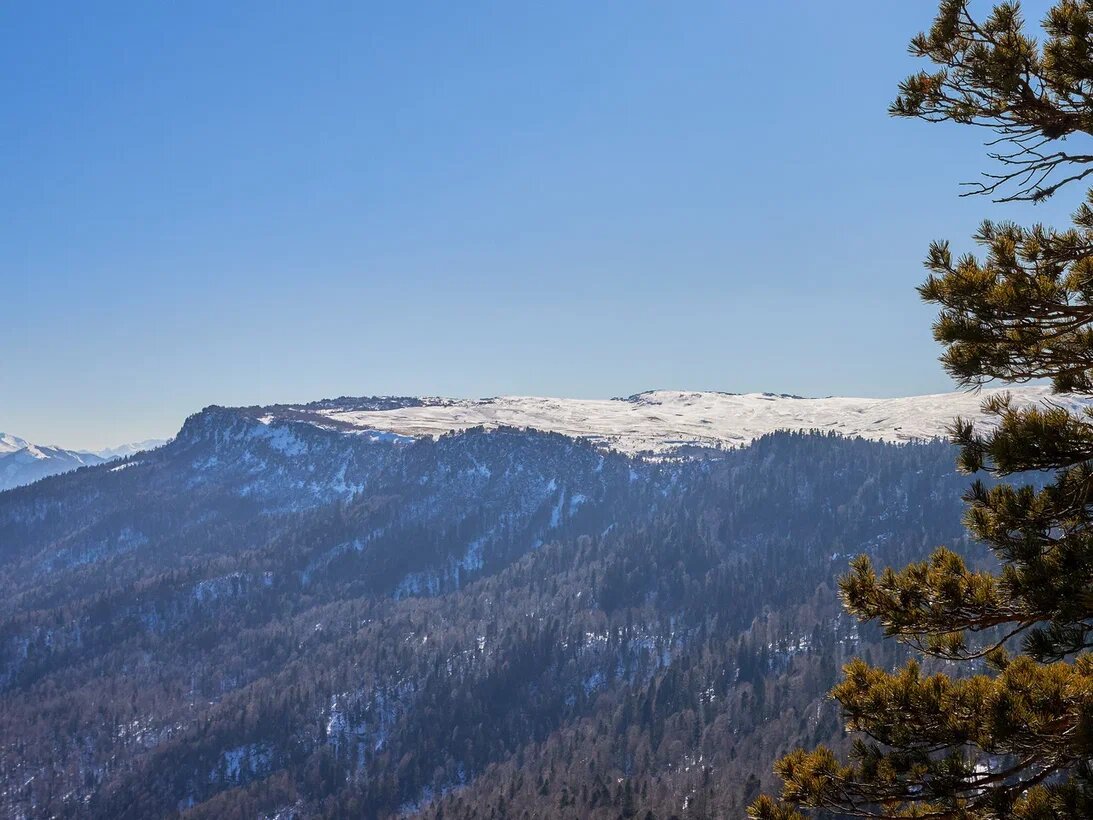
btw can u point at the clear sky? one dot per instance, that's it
(288, 201)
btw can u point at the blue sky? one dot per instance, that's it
(282, 202)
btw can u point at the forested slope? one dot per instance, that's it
(281, 620)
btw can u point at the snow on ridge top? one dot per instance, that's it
(10, 443)
(13, 444)
(665, 421)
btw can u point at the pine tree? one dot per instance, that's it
(1010, 733)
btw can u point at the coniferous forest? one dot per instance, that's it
(493, 624)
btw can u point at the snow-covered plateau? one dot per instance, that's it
(663, 422)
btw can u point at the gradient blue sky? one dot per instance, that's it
(288, 201)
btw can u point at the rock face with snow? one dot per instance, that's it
(661, 422)
(22, 462)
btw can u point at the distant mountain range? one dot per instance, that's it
(124, 450)
(22, 462)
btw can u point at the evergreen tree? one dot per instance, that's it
(1011, 734)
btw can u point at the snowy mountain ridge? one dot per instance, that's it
(128, 449)
(663, 422)
(22, 462)
(11, 444)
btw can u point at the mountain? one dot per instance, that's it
(327, 610)
(124, 450)
(661, 422)
(657, 423)
(22, 462)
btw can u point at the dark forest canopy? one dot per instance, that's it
(213, 631)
